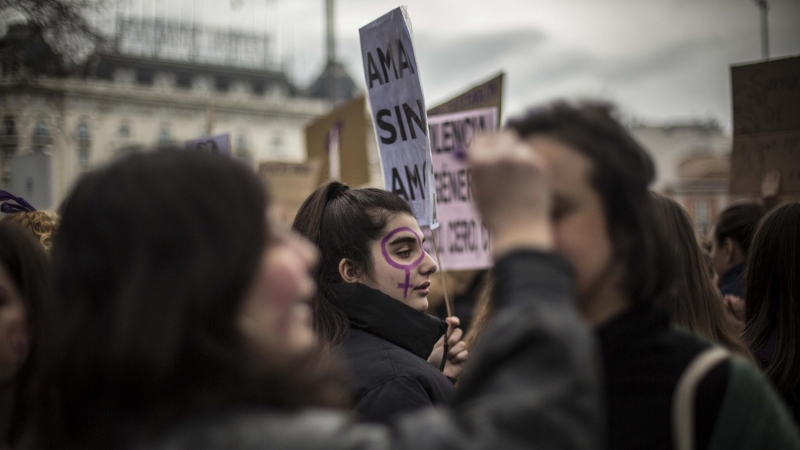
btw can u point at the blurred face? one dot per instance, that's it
(401, 267)
(276, 310)
(579, 222)
(723, 257)
(13, 331)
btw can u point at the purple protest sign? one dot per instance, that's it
(217, 144)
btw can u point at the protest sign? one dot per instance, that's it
(485, 95)
(289, 185)
(395, 95)
(755, 155)
(217, 144)
(766, 96)
(463, 237)
(348, 123)
(766, 124)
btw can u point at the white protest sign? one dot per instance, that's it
(463, 237)
(395, 95)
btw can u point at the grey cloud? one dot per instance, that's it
(658, 62)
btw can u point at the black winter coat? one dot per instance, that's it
(532, 384)
(387, 349)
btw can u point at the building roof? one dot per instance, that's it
(333, 84)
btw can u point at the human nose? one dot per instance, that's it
(428, 265)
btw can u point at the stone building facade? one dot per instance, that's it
(114, 103)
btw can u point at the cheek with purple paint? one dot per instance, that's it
(18, 338)
(407, 268)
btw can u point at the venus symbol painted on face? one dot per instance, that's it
(406, 267)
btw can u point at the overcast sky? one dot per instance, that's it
(660, 60)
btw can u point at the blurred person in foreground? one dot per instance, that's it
(41, 223)
(183, 322)
(773, 301)
(23, 282)
(694, 303)
(657, 378)
(372, 291)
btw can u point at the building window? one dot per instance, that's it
(8, 137)
(83, 132)
(277, 144)
(41, 136)
(124, 131)
(701, 213)
(9, 140)
(84, 145)
(241, 147)
(9, 127)
(164, 136)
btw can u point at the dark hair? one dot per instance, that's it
(772, 306)
(693, 303)
(152, 260)
(739, 222)
(483, 312)
(26, 264)
(343, 222)
(621, 173)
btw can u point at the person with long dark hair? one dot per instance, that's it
(23, 283)
(371, 298)
(664, 388)
(773, 301)
(694, 302)
(180, 320)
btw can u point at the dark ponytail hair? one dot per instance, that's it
(343, 222)
(739, 222)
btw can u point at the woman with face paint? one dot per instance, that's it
(23, 270)
(371, 299)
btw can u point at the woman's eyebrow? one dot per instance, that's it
(403, 240)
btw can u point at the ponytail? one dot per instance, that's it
(343, 223)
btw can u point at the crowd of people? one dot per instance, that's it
(166, 307)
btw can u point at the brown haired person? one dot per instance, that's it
(773, 301)
(606, 225)
(23, 282)
(694, 303)
(182, 322)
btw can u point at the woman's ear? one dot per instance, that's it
(348, 271)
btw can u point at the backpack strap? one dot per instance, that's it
(683, 400)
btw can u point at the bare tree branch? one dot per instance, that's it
(66, 25)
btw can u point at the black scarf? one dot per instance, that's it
(374, 312)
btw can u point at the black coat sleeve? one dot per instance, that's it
(396, 396)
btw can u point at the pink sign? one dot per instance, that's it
(462, 237)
